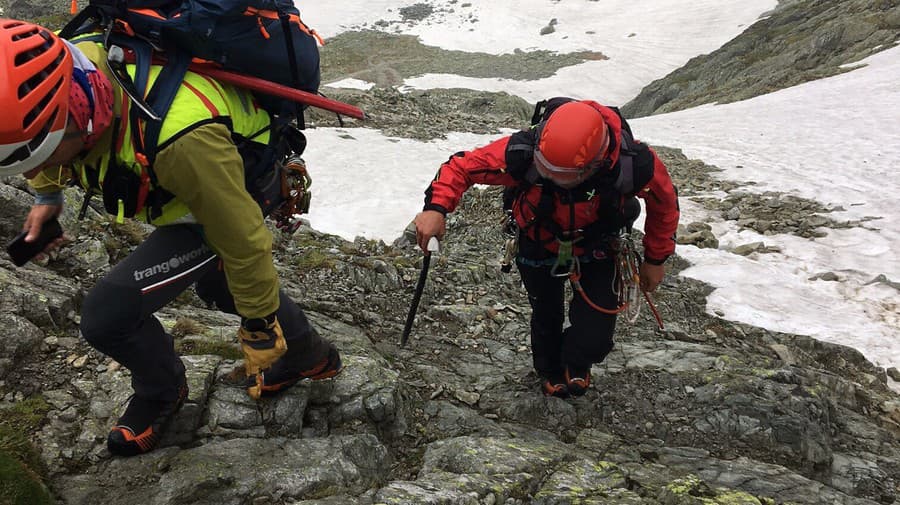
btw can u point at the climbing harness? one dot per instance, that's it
(626, 280)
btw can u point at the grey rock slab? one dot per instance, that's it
(757, 478)
(442, 488)
(236, 472)
(584, 481)
(18, 338)
(232, 408)
(445, 419)
(535, 409)
(493, 456)
(671, 357)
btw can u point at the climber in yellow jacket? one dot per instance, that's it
(65, 118)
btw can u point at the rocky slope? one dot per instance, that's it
(800, 41)
(704, 412)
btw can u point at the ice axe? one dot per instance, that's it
(433, 246)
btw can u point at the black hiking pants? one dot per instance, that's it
(117, 317)
(590, 337)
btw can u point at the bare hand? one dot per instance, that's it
(37, 216)
(429, 223)
(651, 276)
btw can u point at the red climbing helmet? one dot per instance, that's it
(34, 94)
(572, 145)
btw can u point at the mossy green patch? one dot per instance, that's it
(19, 485)
(206, 347)
(313, 260)
(21, 469)
(26, 414)
(734, 498)
(186, 326)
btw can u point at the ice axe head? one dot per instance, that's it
(433, 245)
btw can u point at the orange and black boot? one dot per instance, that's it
(578, 379)
(140, 429)
(290, 369)
(554, 384)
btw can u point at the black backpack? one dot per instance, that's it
(259, 38)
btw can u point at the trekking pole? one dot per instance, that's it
(433, 246)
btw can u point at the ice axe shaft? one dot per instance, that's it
(433, 246)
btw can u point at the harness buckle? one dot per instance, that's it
(566, 261)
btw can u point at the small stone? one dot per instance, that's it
(80, 362)
(467, 397)
(748, 249)
(894, 373)
(689, 390)
(784, 354)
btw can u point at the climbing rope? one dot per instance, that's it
(626, 283)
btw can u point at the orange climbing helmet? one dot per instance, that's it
(34, 93)
(572, 144)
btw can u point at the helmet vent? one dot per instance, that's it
(35, 112)
(35, 81)
(24, 35)
(26, 56)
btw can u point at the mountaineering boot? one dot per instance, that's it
(140, 429)
(290, 369)
(554, 384)
(262, 343)
(578, 379)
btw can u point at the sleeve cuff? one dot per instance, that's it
(55, 198)
(433, 206)
(655, 261)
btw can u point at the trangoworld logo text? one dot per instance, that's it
(172, 263)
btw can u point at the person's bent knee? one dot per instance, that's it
(108, 313)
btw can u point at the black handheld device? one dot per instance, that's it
(21, 251)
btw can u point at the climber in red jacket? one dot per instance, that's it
(572, 177)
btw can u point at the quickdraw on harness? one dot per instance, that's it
(295, 183)
(511, 243)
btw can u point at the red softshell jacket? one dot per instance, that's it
(488, 165)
